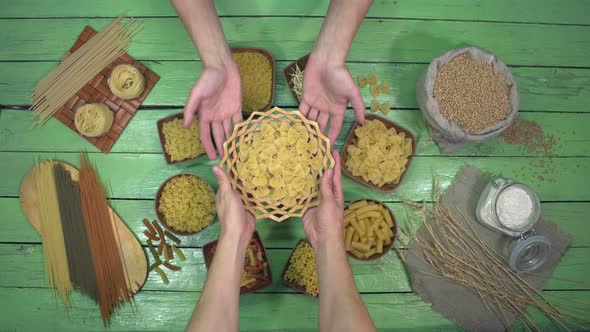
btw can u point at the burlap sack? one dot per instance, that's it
(448, 134)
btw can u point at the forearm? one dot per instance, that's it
(202, 24)
(341, 307)
(340, 26)
(218, 306)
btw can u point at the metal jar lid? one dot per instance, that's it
(529, 253)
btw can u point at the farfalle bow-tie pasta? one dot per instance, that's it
(280, 164)
(378, 154)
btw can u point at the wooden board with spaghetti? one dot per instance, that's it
(98, 91)
(130, 251)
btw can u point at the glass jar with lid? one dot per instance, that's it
(508, 207)
(512, 209)
(526, 253)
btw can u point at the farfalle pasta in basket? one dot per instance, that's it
(275, 160)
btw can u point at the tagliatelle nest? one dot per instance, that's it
(275, 160)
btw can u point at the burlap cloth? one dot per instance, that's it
(454, 301)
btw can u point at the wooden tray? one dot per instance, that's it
(243, 132)
(97, 91)
(270, 58)
(207, 253)
(288, 283)
(130, 250)
(388, 124)
(160, 124)
(161, 216)
(287, 71)
(393, 229)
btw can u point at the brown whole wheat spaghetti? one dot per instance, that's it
(74, 233)
(54, 250)
(111, 275)
(80, 67)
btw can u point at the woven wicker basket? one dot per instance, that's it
(243, 132)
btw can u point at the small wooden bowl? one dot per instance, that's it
(393, 229)
(208, 254)
(270, 58)
(288, 283)
(161, 216)
(160, 124)
(388, 124)
(287, 71)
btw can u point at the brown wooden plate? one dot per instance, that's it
(288, 283)
(388, 124)
(208, 254)
(160, 125)
(161, 216)
(287, 71)
(270, 58)
(393, 229)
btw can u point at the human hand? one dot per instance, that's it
(236, 223)
(217, 99)
(328, 87)
(326, 221)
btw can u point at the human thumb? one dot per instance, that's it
(357, 103)
(221, 176)
(326, 184)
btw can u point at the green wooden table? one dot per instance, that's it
(546, 43)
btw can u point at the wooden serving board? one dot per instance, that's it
(130, 250)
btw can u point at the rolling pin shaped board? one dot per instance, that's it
(130, 250)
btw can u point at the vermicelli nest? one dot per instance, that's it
(126, 82)
(93, 120)
(187, 204)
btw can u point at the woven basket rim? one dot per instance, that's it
(264, 208)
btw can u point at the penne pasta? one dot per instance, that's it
(357, 227)
(357, 205)
(368, 214)
(360, 246)
(387, 217)
(379, 248)
(348, 237)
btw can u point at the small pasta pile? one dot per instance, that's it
(377, 154)
(182, 143)
(280, 164)
(187, 204)
(368, 228)
(93, 120)
(376, 90)
(256, 74)
(301, 269)
(126, 82)
(155, 233)
(256, 269)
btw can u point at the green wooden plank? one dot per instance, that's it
(377, 40)
(569, 131)
(547, 11)
(165, 311)
(23, 267)
(545, 89)
(37, 309)
(569, 216)
(139, 176)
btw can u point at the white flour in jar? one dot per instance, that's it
(514, 207)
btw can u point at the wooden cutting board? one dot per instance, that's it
(130, 250)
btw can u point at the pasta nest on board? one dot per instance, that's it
(275, 160)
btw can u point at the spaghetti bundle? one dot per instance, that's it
(93, 120)
(80, 67)
(111, 275)
(126, 82)
(74, 233)
(54, 250)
